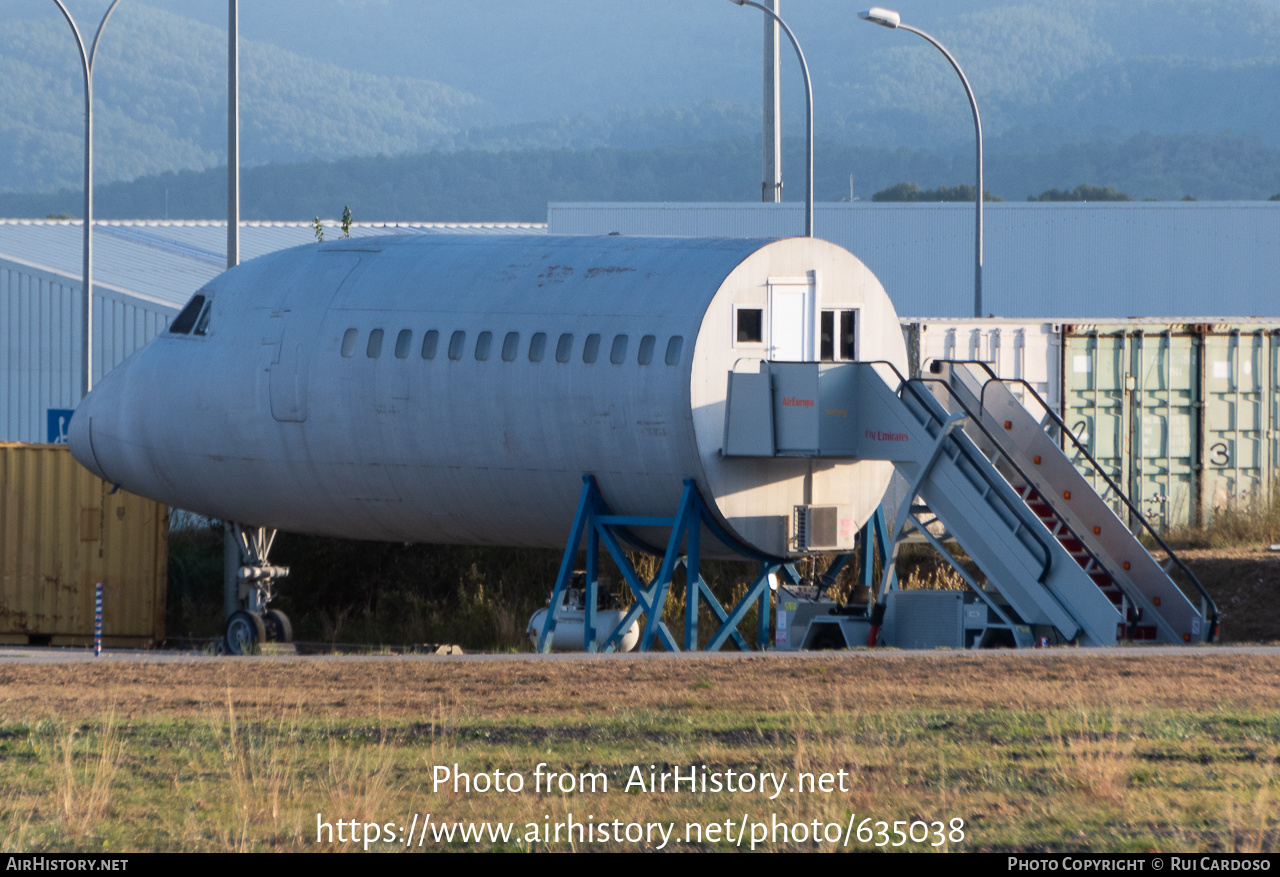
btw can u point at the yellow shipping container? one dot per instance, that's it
(63, 530)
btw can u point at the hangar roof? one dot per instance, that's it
(167, 260)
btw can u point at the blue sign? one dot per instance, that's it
(59, 423)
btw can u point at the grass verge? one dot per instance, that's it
(1052, 752)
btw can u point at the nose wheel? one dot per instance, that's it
(279, 628)
(246, 630)
(254, 624)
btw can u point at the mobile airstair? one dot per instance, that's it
(1057, 562)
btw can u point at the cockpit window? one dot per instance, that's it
(202, 324)
(183, 323)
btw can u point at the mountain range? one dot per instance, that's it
(1067, 92)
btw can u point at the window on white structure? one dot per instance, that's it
(749, 328)
(837, 336)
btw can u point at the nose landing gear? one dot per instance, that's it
(247, 628)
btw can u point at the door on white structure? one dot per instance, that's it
(790, 319)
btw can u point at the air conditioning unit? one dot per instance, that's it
(817, 528)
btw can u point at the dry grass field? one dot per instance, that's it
(1053, 750)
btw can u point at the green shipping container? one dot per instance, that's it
(1182, 416)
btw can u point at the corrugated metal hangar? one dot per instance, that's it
(1080, 261)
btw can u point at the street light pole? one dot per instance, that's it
(233, 133)
(86, 293)
(890, 19)
(771, 188)
(808, 90)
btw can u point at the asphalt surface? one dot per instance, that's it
(50, 655)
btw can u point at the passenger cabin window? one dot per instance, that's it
(750, 328)
(646, 350)
(564, 347)
(403, 342)
(510, 346)
(674, 346)
(374, 348)
(456, 342)
(186, 319)
(430, 341)
(484, 341)
(837, 336)
(349, 342)
(618, 354)
(537, 346)
(591, 349)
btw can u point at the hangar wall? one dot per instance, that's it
(40, 368)
(1081, 261)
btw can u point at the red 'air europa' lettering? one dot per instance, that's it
(796, 402)
(878, 436)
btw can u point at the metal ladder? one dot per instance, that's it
(1032, 580)
(1152, 606)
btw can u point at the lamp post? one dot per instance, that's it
(890, 19)
(808, 90)
(771, 188)
(86, 295)
(233, 133)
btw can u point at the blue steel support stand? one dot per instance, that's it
(595, 522)
(875, 537)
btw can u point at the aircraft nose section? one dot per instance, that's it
(92, 408)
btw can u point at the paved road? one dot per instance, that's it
(47, 655)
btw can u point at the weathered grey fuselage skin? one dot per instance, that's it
(267, 420)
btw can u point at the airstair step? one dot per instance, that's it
(1143, 632)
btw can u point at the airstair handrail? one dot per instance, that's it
(1017, 509)
(977, 421)
(1097, 467)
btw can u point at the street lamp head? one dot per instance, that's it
(739, 2)
(880, 16)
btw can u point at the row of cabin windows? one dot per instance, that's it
(511, 346)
